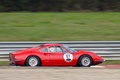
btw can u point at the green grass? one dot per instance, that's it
(54, 26)
(108, 62)
(4, 63)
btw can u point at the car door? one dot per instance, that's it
(60, 57)
(45, 56)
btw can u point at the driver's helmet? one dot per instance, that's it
(52, 49)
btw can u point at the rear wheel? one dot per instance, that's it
(33, 61)
(85, 61)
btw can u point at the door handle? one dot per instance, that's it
(45, 53)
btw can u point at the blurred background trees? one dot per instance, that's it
(59, 5)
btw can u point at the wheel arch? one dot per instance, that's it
(84, 55)
(33, 56)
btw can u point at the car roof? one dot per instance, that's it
(52, 44)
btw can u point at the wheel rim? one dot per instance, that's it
(85, 61)
(33, 61)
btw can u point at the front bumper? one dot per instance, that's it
(101, 60)
(98, 60)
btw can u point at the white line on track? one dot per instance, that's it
(98, 66)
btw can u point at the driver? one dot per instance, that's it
(52, 49)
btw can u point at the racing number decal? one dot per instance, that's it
(68, 57)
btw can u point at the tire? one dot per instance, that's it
(33, 61)
(85, 61)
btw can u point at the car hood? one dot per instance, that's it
(87, 52)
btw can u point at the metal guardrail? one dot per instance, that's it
(109, 50)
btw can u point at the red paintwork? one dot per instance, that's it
(51, 59)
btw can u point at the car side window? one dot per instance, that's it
(55, 49)
(59, 49)
(44, 50)
(52, 49)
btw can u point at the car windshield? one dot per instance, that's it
(70, 49)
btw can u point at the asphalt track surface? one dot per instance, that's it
(59, 73)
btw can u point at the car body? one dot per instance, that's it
(54, 55)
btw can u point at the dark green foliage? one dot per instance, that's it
(59, 5)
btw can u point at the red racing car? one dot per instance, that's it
(54, 55)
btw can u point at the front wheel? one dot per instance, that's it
(33, 61)
(85, 61)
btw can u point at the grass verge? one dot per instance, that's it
(4, 63)
(112, 62)
(56, 26)
(108, 62)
